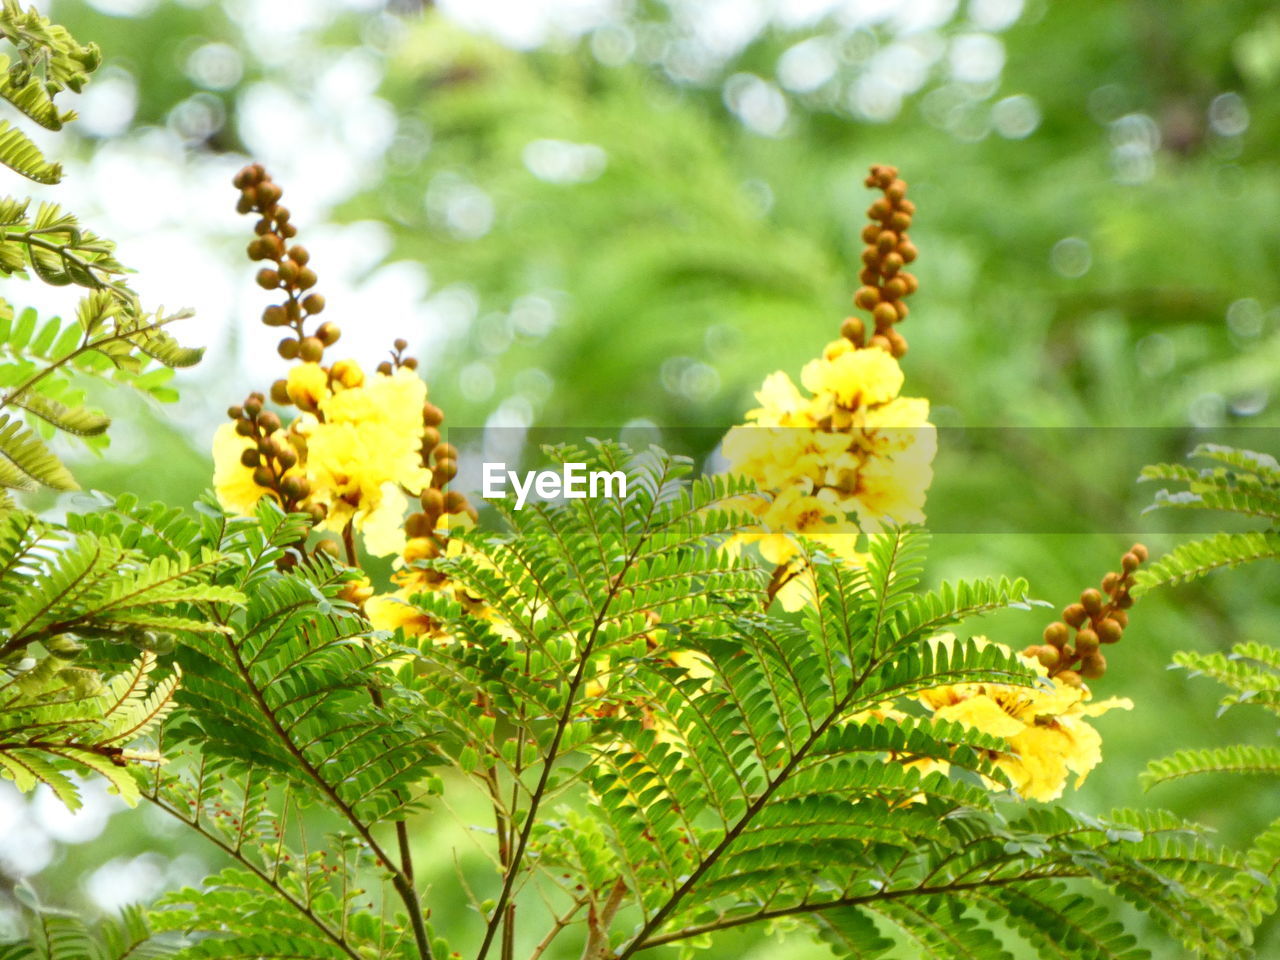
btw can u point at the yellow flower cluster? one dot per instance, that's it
(1045, 726)
(850, 457)
(357, 445)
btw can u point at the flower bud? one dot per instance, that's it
(288, 459)
(891, 264)
(910, 279)
(274, 316)
(870, 233)
(330, 547)
(1139, 551)
(1048, 656)
(328, 333)
(1110, 630)
(900, 221)
(1056, 634)
(306, 278)
(299, 255)
(1120, 617)
(454, 502)
(886, 242)
(870, 258)
(280, 393)
(1093, 666)
(317, 511)
(1074, 614)
(313, 303)
(244, 428)
(1070, 678)
(262, 477)
(1091, 600)
(269, 422)
(287, 348)
(897, 342)
(895, 289)
(268, 279)
(869, 277)
(311, 350)
(430, 438)
(432, 415)
(444, 470)
(235, 413)
(249, 458)
(400, 343)
(881, 342)
(867, 298)
(907, 207)
(1109, 582)
(432, 501)
(1130, 562)
(1086, 642)
(880, 210)
(268, 194)
(448, 451)
(244, 204)
(295, 487)
(418, 525)
(252, 407)
(385, 368)
(853, 330)
(288, 272)
(908, 250)
(884, 314)
(409, 363)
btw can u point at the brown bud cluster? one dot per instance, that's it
(274, 453)
(885, 282)
(286, 269)
(1072, 648)
(442, 459)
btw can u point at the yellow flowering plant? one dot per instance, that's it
(716, 702)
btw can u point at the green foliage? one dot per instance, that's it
(39, 369)
(56, 935)
(1246, 483)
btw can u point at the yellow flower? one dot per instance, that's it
(232, 480)
(1044, 726)
(364, 452)
(395, 611)
(854, 377)
(347, 373)
(308, 385)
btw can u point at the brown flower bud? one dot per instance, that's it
(268, 194)
(244, 204)
(853, 330)
(400, 343)
(274, 316)
(385, 368)
(1070, 678)
(328, 333)
(1086, 642)
(880, 341)
(287, 348)
(432, 501)
(896, 191)
(280, 393)
(902, 309)
(884, 314)
(235, 413)
(295, 487)
(880, 210)
(1120, 617)
(1130, 562)
(1139, 551)
(268, 279)
(418, 525)
(1048, 656)
(269, 422)
(867, 298)
(444, 470)
(1056, 634)
(1110, 630)
(870, 258)
(1109, 582)
(409, 363)
(299, 255)
(454, 502)
(891, 264)
(869, 277)
(897, 342)
(306, 278)
(288, 272)
(244, 428)
(330, 547)
(908, 250)
(907, 207)
(252, 406)
(262, 477)
(913, 284)
(900, 221)
(886, 242)
(1093, 666)
(311, 350)
(870, 233)
(1091, 600)
(288, 230)
(249, 458)
(313, 303)
(1074, 614)
(432, 415)
(447, 450)
(895, 289)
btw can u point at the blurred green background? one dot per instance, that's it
(603, 213)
